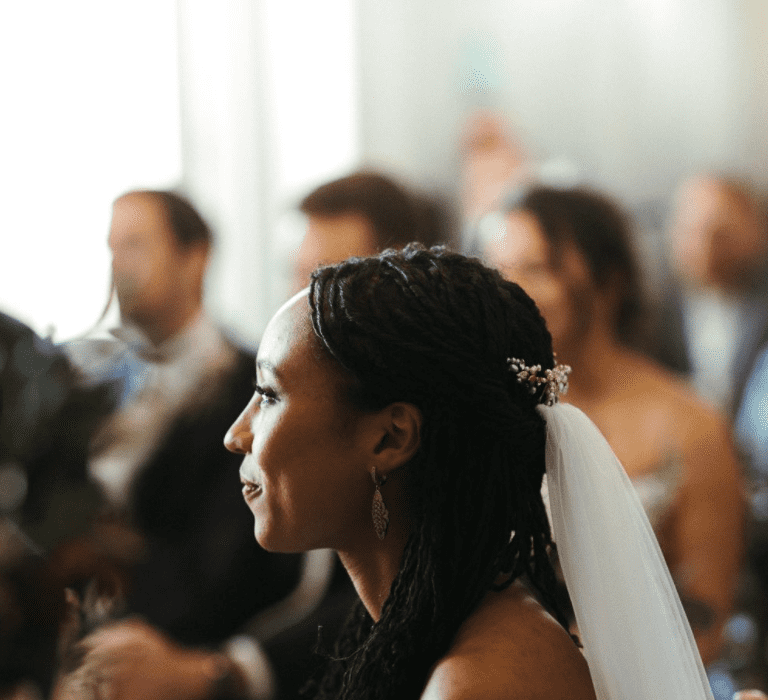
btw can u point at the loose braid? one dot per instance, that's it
(435, 329)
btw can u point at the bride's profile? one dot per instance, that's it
(405, 412)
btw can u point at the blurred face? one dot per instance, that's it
(305, 473)
(717, 239)
(331, 239)
(559, 284)
(153, 276)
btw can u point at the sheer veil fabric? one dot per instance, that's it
(637, 640)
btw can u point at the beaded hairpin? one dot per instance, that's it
(554, 381)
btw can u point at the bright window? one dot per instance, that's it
(90, 109)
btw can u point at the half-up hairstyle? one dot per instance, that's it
(435, 329)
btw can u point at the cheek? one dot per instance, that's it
(313, 482)
(552, 299)
(274, 444)
(552, 295)
(691, 254)
(130, 266)
(146, 283)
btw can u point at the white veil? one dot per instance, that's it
(637, 640)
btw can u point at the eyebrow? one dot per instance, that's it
(269, 367)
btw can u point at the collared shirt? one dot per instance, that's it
(159, 383)
(751, 424)
(713, 324)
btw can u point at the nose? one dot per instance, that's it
(239, 437)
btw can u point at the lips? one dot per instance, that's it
(251, 489)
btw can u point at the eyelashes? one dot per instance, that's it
(267, 395)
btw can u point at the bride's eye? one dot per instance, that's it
(267, 395)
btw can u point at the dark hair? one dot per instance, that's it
(435, 329)
(188, 226)
(600, 230)
(397, 215)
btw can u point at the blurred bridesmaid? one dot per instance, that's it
(570, 250)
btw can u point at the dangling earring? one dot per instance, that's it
(379, 510)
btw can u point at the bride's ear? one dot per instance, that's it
(401, 427)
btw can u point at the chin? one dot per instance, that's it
(275, 542)
(280, 540)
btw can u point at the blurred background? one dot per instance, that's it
(247, 105)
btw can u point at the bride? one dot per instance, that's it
(405, 411)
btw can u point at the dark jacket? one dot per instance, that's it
(203, 576)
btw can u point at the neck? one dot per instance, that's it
(593, 357)
(372, 563)
(162, 328)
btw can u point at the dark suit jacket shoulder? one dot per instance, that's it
(203, 575)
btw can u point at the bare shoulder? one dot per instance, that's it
(511, 648)
(668, 393)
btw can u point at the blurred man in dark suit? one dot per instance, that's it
(200, 576)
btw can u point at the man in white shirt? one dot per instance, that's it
(719, 255)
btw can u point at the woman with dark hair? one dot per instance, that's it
(571, 251)
(404, 414)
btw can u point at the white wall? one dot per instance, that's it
(269, 105)
(249, 104)
(89, 109)
(246, 105)
(637, 92)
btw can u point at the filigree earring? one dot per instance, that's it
(379, 510)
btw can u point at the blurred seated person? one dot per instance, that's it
(493, 163)
(751, 431)
(719, 257)
(719, 244)
(161, 464)
(570, 250)
(47, 504)
(362, 214)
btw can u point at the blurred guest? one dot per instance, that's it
(47, 503)
(719, 243)
(719, 255)
(493, 163)
(363, 214)
(570, 250)
(751, 430)
(163, 468)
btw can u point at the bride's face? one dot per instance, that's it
(305, 472)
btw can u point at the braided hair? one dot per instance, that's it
(435, 329)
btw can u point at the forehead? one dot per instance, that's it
(290, 352)
(700, 200)
(519, 240)
(139, 217)
(332, 239)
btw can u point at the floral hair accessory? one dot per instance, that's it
(554, 381)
